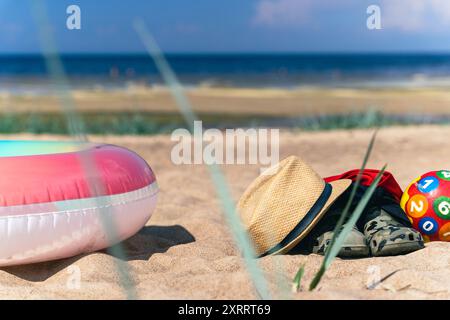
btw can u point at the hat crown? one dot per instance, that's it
(276, 202)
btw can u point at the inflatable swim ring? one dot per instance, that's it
(49, 208)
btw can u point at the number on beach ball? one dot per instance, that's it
(444, 175)
(428, 184)
(444, 232)
(442, 207)
(417, 206)
(428, 225)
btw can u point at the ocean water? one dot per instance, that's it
(28, 72)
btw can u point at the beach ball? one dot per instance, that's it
(426, 201)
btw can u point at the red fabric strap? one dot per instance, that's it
(387, 181)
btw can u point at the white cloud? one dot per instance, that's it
(282, 12)
(406, 15)
(415, 15)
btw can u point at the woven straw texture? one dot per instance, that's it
(275, 203)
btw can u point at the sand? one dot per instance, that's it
(292, 102)
(186, 252)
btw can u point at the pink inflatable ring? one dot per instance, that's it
(56, 198)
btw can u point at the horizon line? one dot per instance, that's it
(231, 53)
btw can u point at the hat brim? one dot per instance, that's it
(338, 188)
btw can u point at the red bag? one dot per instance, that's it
(387, 181)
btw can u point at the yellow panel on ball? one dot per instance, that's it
(405, 196)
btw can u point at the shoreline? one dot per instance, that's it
(266, 101)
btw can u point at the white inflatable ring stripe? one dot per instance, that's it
(38, 232)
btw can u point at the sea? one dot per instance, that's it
(29, 73)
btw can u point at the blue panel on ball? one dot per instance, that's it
(428, 184)
(428, 226)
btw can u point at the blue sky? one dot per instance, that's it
(233, 25)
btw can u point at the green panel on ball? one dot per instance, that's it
(444, 175)
(442, 207)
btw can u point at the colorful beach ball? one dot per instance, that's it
(427, 203)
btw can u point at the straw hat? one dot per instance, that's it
(284, 203)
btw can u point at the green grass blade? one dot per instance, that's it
(344, 214)
(222, 189)
(298, 278)
(76, 129)
(340, 238)
(346, 210)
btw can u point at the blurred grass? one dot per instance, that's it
(130, 123)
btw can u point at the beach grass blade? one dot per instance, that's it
(340, 237)
(345, 212)
(219, 181)
(298, 278)
(355, 187)
(56, 70)
(352, 195)
(77, 130)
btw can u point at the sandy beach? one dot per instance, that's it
(288, 102)
(310, 79)
(186, 251)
